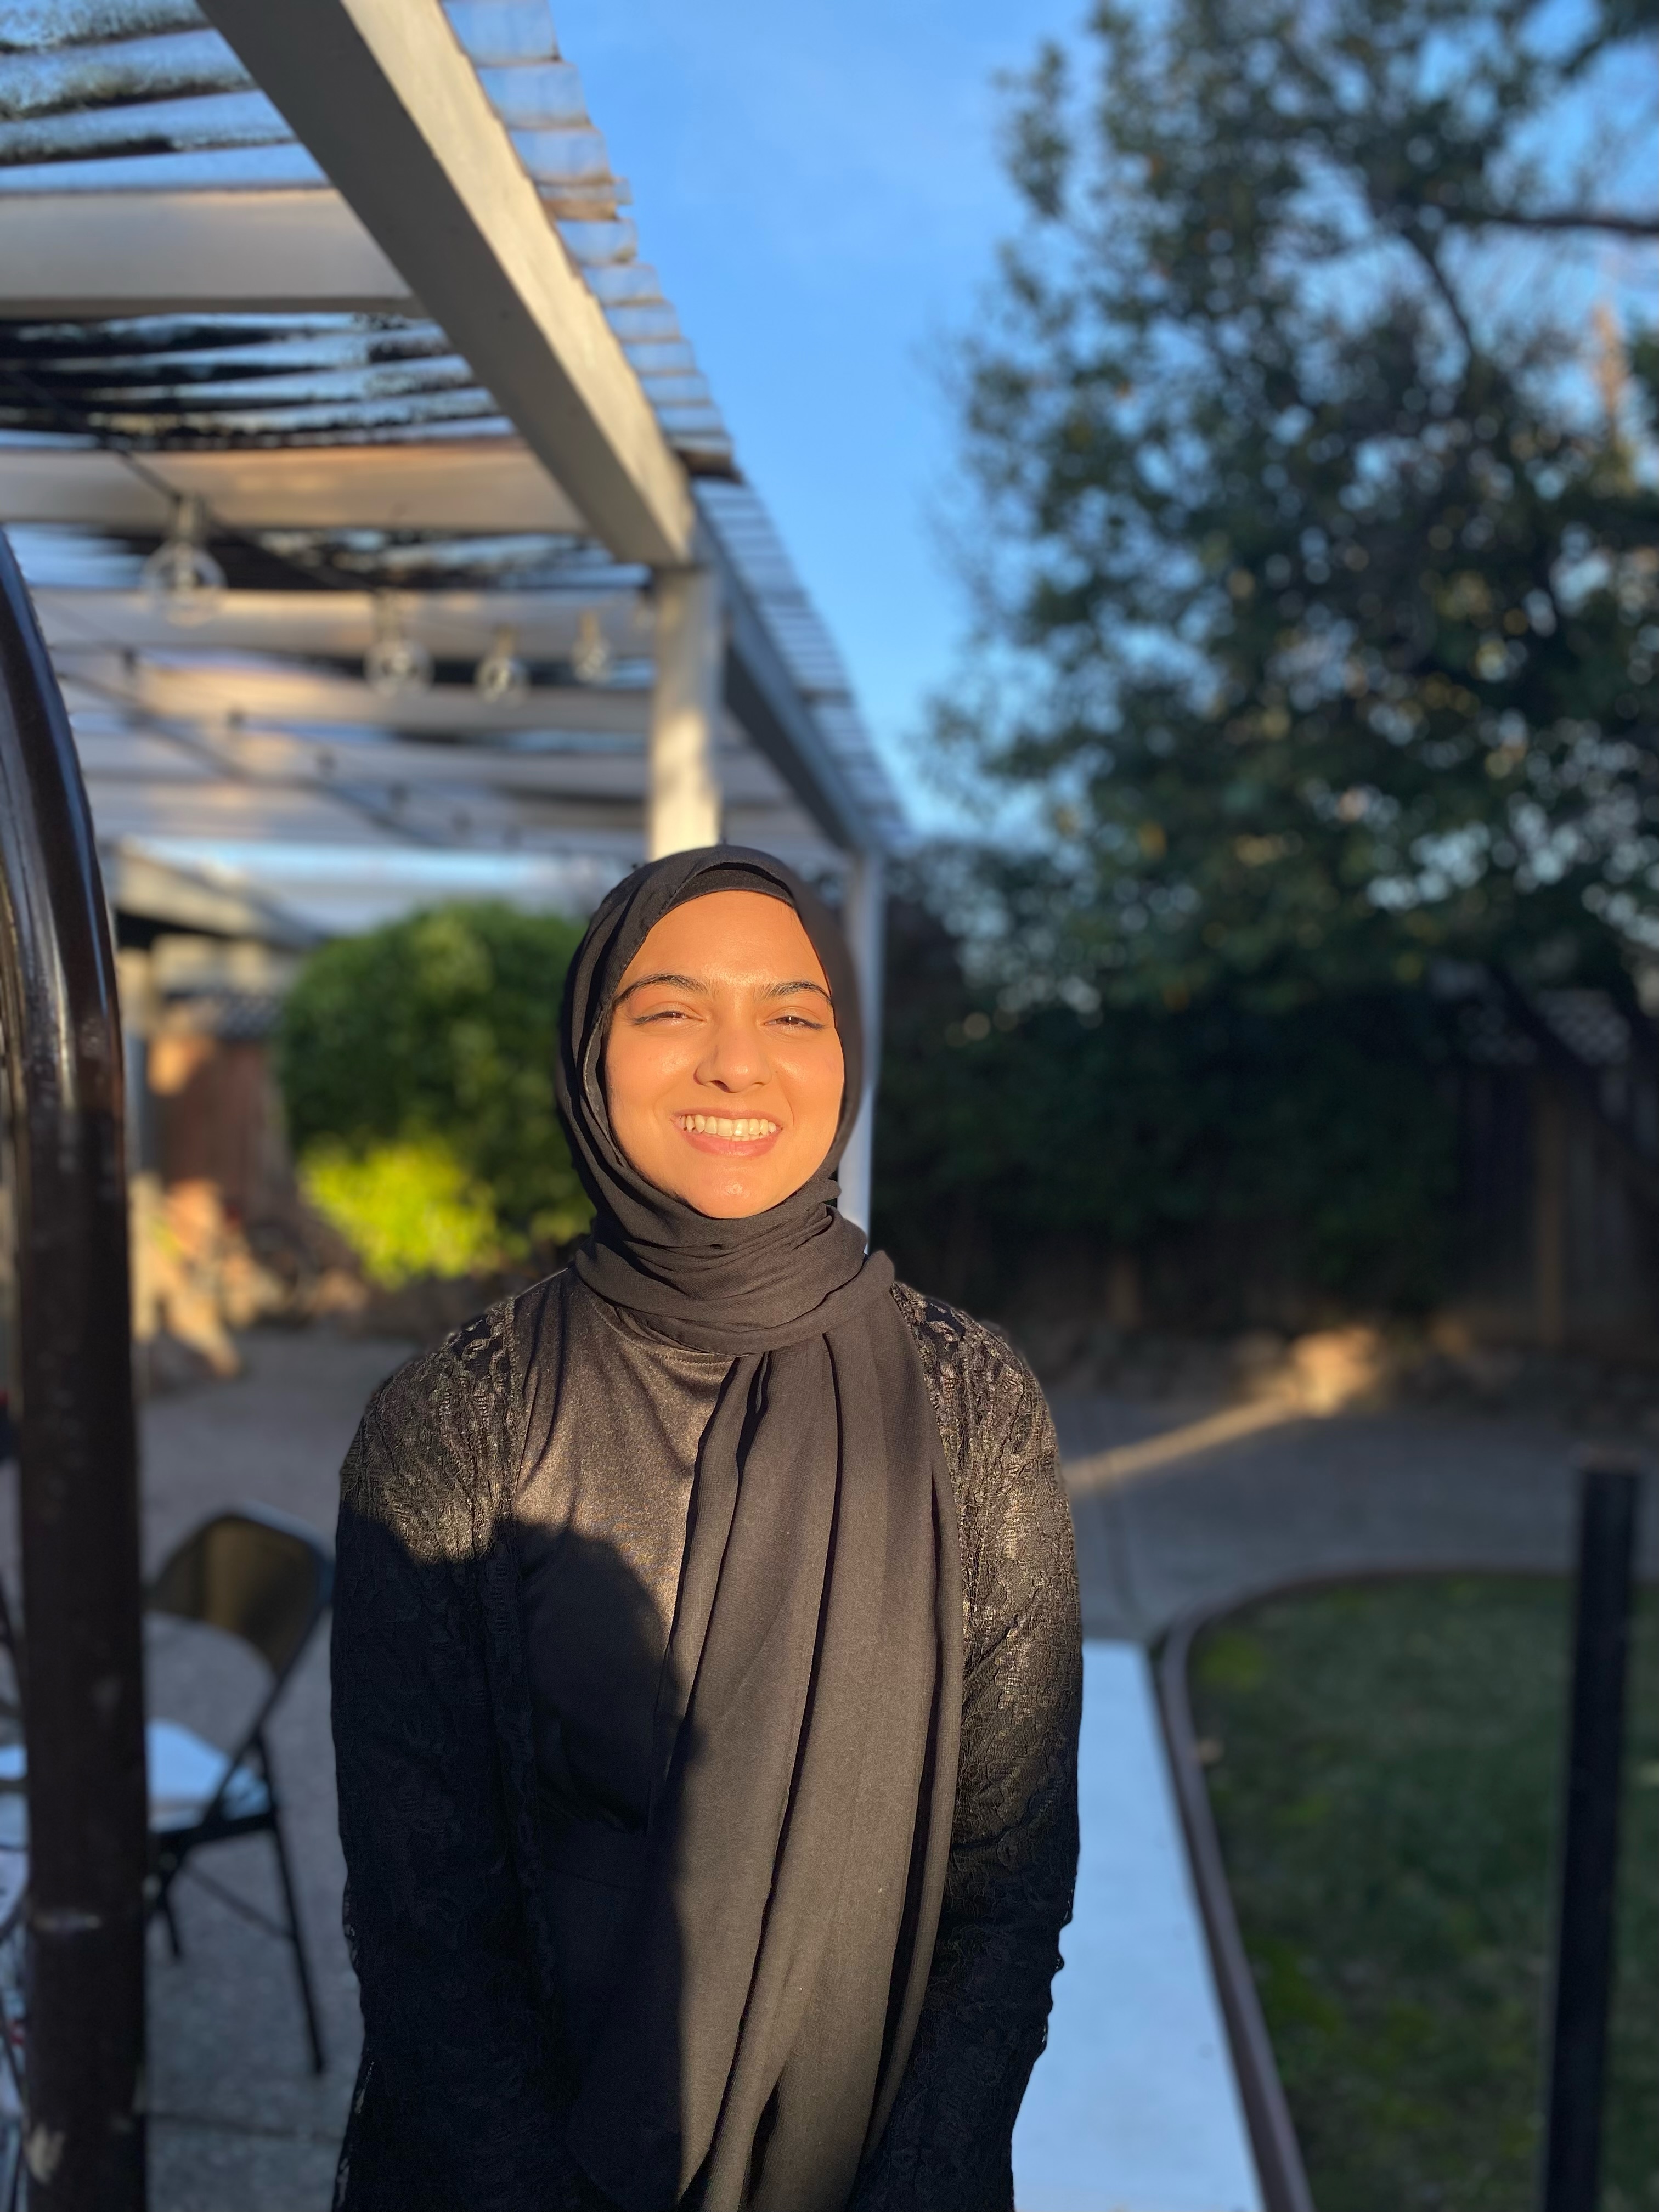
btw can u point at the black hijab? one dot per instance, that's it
(807, 1720)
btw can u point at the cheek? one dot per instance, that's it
(814, 1078)
(637, 1066)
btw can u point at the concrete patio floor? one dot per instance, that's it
(242, 2125)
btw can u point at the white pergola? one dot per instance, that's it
(355, 276)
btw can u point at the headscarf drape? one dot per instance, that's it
(807, 1726)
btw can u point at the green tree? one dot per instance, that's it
(1320, 616)
(416, 1064)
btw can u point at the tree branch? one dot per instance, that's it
(1454, 305)
(1607, 218)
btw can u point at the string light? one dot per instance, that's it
(591, 658)
(181, 579)
(501, 676)
(395, 665)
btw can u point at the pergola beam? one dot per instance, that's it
(212, 693)
(489, 485)
(456, 625)
(236, 811)
(279, 813)
(80, 257)
(385, 100)
(137, 754)
(136, 883)
(229, 807)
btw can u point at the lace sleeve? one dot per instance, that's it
(456, 2099)
(1014, 1843)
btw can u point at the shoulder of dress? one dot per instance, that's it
(948, 1338)
(992, 1414)
(1000, 1447)
(493, 1349)
(445, 1416)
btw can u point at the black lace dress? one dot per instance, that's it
(453, 1787)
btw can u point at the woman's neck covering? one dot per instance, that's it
(807, 1719)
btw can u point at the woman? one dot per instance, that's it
(706, 1652)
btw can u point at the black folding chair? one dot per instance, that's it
(256, 1575)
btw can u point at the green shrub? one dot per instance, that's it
(406, 1208)
(416, 1065)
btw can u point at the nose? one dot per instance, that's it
(736, 1058)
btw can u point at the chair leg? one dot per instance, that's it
(313, 2029)
(175, 1941)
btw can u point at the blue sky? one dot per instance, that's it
(818, 187)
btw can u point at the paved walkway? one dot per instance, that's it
(241, 2122)
(1133, 2103)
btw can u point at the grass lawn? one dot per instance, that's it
(1386, 1777)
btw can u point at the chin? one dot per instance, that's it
(730, 1205)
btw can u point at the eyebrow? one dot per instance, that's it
(691, 983)
(644, 983)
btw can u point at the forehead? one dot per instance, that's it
(729, 936)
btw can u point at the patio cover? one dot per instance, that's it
(355, 276)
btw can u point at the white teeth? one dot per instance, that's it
(746, 1128)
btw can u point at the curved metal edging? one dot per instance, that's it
(1272, 2136)
(83, 1705)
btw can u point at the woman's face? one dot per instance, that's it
(722, 1068)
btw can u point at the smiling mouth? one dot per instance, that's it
(748, 1133)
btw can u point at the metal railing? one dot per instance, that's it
(82, 1694)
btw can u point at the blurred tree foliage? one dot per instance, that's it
(1319, 1140)
(1313, 539)
(1321, 612)
(416, 1065)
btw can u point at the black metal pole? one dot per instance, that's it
(83, 1704)
(1590, 1851)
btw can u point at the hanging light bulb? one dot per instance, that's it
(501, 676)
(395, 665)
(181, 579)
(591, 655)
